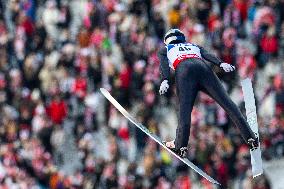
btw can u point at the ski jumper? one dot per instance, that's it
(192, 74)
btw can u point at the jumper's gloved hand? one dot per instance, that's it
(227, 67)
(164, 87)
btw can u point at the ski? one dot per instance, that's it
(154, 137)
(256, 161)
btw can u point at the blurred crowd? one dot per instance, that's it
(56, 129)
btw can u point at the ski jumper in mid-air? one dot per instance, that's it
(192, 74)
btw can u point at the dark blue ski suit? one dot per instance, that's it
(193, 74)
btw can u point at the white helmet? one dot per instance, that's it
(174, 36)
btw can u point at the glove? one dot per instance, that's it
(227, 67)
(164, 87)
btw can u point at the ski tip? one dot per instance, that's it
(103, 90)
(246, 80)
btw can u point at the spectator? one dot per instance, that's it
(269, 45)
(57, 110)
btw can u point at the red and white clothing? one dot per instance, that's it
(179, 52)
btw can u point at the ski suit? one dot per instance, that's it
(192, 74)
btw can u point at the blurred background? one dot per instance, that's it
(57, 131)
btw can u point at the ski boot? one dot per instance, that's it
(182, 152)
(253, 143)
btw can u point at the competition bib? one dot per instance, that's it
(179, 52)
